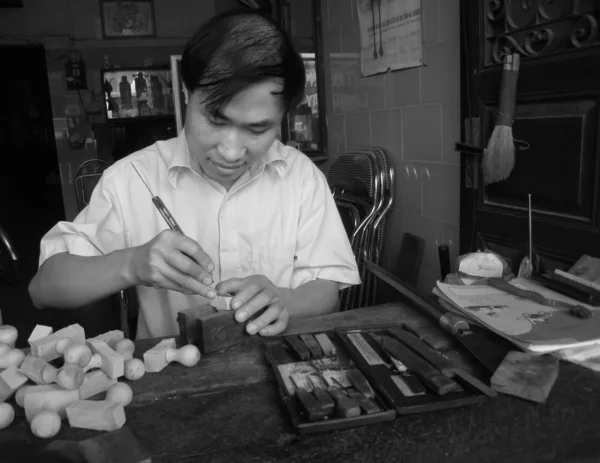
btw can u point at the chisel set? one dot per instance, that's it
(353, 377)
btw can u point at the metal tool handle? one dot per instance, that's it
(171, 222)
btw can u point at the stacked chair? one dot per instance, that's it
(362, 184)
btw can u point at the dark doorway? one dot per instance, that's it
(30, 189)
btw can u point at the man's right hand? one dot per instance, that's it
(173, 261)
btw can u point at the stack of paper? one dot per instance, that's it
(530, 326)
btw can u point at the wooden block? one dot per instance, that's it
(298, 346)
(221, 303)
(46, 424)
(367, 405)
(4, 349)
(112, 363)
(189, 332)
(326, 345)
(221, 330)
(95, 382)
(7, 415)
(310, 405)
(110, 338)
(40, 331)
(120, 393)
(99, 415)
(125, 348)
(312, 345)
(325, 400)
(8, 335)
(10, 380)
(525, 375)
(134, 369)
(119, 446)
(346, 407)
(23, 391)
(45, 348)
(33, 368)
(13, 357)
(95, 362)
(53, 401)
(73, 352)
(68, 377)
(155, 359)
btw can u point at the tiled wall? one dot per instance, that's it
(414, 114)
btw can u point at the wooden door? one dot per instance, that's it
(557, 114)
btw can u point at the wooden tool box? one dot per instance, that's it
(395, 386)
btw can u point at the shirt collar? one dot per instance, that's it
(276, 157)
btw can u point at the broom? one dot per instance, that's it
(499, 156)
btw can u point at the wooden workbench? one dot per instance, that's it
(226, 409)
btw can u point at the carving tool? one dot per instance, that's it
(486, 347)
(575, 310)
(326, 345)
(312, 345)
(426, 372)
(298, 347)
(164, 211)
(325, 400)
(442, 363)
(432, 356)
(408, 384)
(346, 407)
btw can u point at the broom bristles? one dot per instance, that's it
(499, 156)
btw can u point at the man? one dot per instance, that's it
(259, 221)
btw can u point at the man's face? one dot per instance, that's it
(226, 145)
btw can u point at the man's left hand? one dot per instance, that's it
(252, 294)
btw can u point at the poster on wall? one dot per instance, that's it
(390, 35)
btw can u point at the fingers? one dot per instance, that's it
(178, 281)
(232, 287)
(187, 266)
(278, 327)
(191, 248)
(264, 325)
(177, 262)
(261, 300)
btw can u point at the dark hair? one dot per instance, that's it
(239, 48)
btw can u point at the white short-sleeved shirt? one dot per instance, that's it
(279, 220)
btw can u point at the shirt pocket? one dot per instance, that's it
(276, 262)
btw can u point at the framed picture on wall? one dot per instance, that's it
(125, 19)
(180, 94)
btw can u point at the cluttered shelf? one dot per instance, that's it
(228, 407)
